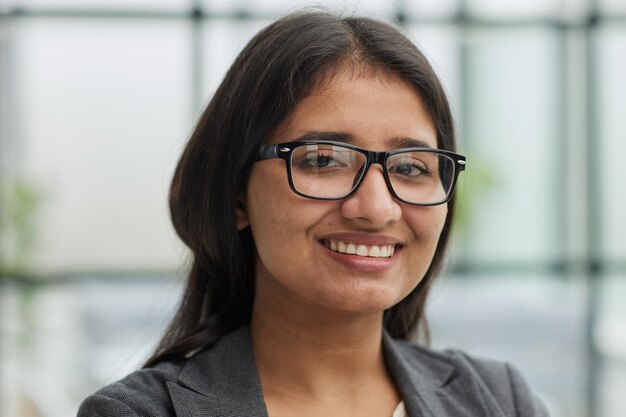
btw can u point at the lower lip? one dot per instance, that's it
(362, 263)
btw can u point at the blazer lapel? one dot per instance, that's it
(418, 379)
(221, 381)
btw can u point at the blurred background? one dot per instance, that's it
(98, 97)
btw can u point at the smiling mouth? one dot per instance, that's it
(371, 251)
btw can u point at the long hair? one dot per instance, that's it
(274, 72)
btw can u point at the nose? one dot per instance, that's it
(372, 203)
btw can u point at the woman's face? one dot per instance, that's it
(293, 263)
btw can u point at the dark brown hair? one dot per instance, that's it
(276, 70)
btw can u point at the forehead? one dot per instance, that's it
(371, 108)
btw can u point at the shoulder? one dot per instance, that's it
(142, 393)
(453, 362)
(493, 386)
(503, 380)
(221, 377)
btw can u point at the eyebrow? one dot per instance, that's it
(396, 142)
(333, 136)
(406, 142)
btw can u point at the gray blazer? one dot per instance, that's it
(222, 381)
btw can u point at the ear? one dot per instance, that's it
(241, 214)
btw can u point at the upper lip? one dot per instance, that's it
(363, 239)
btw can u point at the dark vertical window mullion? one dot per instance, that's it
(197, 55)
(464, 94)
(559, 210)
(593, 225)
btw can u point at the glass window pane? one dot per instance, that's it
(102, 109)
(612, 6)
(503, 9)
(610, 338)
(223, 40)
(610, 69)
(147, 5)
(281, 7)
(440, 44)
(508, 198)
(439, 8)
(63, 341)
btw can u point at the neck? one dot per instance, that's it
(313, 352)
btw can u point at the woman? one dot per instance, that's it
(311, 272)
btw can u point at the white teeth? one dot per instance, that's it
(373, 251)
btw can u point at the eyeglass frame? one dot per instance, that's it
(284, 151)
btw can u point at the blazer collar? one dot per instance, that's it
(418, 376)
(220, 381)
(223, 380)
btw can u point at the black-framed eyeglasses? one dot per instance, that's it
(327, 170)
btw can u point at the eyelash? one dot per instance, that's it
(420, 166)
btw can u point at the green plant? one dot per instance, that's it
(475, 183)
(19, 205)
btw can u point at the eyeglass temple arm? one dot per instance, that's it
(267, 152)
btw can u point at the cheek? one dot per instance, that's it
(266, 216)
(268, 200)
(280, 220)
(441, 217)
(427, 222)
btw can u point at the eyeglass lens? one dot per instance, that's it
(330, 171)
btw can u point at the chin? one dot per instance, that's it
(370, 300)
